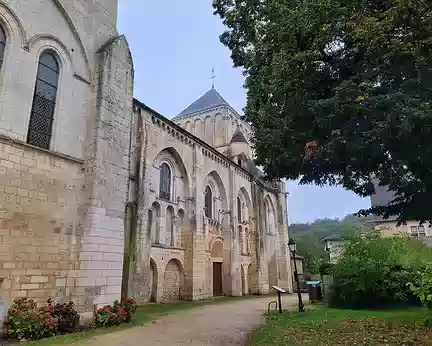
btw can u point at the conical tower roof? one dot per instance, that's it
(211, 99)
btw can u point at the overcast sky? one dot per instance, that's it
(175, 45)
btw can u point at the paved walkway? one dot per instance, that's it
(219, 324)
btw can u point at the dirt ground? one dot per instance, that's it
(218, 324)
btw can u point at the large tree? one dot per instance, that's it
(340, 92)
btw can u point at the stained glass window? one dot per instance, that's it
(2, 45)
(208, 202)
(44, 102)
(165, 182)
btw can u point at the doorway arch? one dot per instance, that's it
(216, 255)
(173, 281)
(153, 278)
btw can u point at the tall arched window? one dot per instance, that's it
(165, 182)
(239, 210)
(2, 45)
(44, 101)
(208, 202)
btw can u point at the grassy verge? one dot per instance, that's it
(324, 326)
(143, 315)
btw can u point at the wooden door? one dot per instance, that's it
(217, 279)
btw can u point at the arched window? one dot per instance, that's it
(2, 45)
(165, 182)
(154, 223)
(208, 202)
(269, 221)
(44, 101)
(239, 210)
(169, 227)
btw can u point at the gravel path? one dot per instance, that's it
(219, 324)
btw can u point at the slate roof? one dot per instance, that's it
(238, 137)
(211, 99)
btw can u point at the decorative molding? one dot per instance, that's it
(17, 22)
(21, 144)
(75, 33)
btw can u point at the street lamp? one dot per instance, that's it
(293, 248)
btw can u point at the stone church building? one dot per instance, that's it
(101, 197)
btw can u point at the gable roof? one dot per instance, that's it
(211, 99)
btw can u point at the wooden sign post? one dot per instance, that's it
(279, 292)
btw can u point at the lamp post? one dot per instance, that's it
(293, 248)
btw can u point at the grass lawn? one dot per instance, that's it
(322, 326)
(143, 315)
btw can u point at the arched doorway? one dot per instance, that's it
(153, 278)
(173, 281)
(217, 259)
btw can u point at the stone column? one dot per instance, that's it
(259, 263)
(106, 179)
(283, 255)
(196, 256)
(233, 235)
(177, 231)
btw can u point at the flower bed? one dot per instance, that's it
(25, 321)
(113, 315)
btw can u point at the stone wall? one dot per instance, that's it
(107, 173)
(167, 274)
(194, 165)
(39, 223)
(62, 210)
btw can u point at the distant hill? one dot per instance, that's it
(326, 227)
(309, 238)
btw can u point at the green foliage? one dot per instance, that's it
(421, 285)
(116, 314)
(326, 268)
(343, 327)
(373, 271)
(66, 315)
(310, 244)
(339, 92)
(129, 305)
(27, 322)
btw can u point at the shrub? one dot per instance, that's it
(129, 305)
(106, 317)
(26, 321)
(373, 271)
(67, 316)
(113, 315)
(325, 268)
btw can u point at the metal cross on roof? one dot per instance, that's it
(213, 77)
